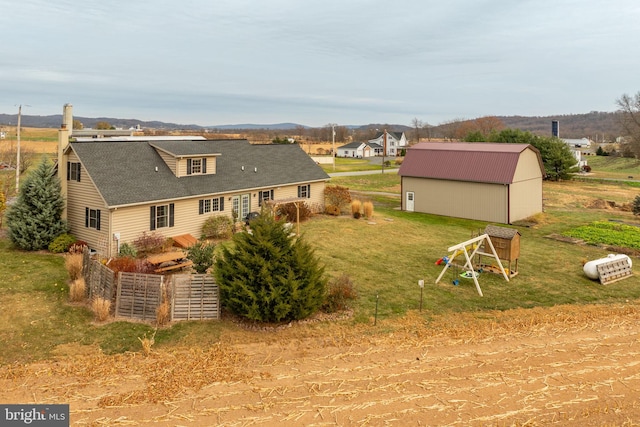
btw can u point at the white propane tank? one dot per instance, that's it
(591, 268)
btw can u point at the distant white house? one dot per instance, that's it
(576, 145)
(396, 141)
(355, 149)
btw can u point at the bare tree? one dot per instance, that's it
(629, 117)
(417, 127)
(489, 124)
(301, 131)
(427, 130)
(454, 129)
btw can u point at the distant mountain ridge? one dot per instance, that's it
(594, 125)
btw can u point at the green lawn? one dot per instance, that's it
(386, 182)
(385, 257)
(346, 164)
(614, 167)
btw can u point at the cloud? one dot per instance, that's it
(319, 61)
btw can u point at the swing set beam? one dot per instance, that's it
(475, 244)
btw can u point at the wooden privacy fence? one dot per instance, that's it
(99, 278)
(137, 296)
(190, 296)
(195, 297)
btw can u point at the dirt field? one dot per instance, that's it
(565, 366)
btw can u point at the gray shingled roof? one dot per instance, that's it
(125, 172)
(351, 145)
(396, 135)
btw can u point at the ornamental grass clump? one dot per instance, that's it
(367, 208)
(77, 290)
(163, 311)
(73, 265)
(356, 207)
(100, 308)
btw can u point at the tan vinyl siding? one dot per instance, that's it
(485, 202)
(526, 199)
(315, 202)
(131, 222)
(211, 165)
(181, 167)
(527, 167)
(526, 190)
(82, 195)
(169, 160)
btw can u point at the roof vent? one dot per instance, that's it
(255, 169)
(242, 167)
(156, 169)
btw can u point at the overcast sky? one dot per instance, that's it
(315, 62)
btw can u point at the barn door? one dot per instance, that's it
(409, 204)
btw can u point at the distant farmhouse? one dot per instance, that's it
(577, 146)
(494, 182)
(118, 187)
(395, 142)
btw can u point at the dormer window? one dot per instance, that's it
(196, 166)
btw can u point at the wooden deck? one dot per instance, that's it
(184, 240)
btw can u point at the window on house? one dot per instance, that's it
(162, 216)
(264, 196)
(304, 191)
(211, 205)
(92, 218)
(73, 171)
(217, 204)
(196, 166)
(206, 206)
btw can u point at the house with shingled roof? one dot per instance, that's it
(494, 182)
(355, 149)
(394, 142)
(117, 189)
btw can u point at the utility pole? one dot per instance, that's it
(384, 148)
(333, 141)
(18, 155)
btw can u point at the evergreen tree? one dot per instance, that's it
(268, 275)
(559, 162)
(636, 206)
(556, 156)
(35, 219)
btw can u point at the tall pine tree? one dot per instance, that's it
(268, 275)
(35, 219)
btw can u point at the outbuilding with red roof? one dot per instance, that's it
(493, 182)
